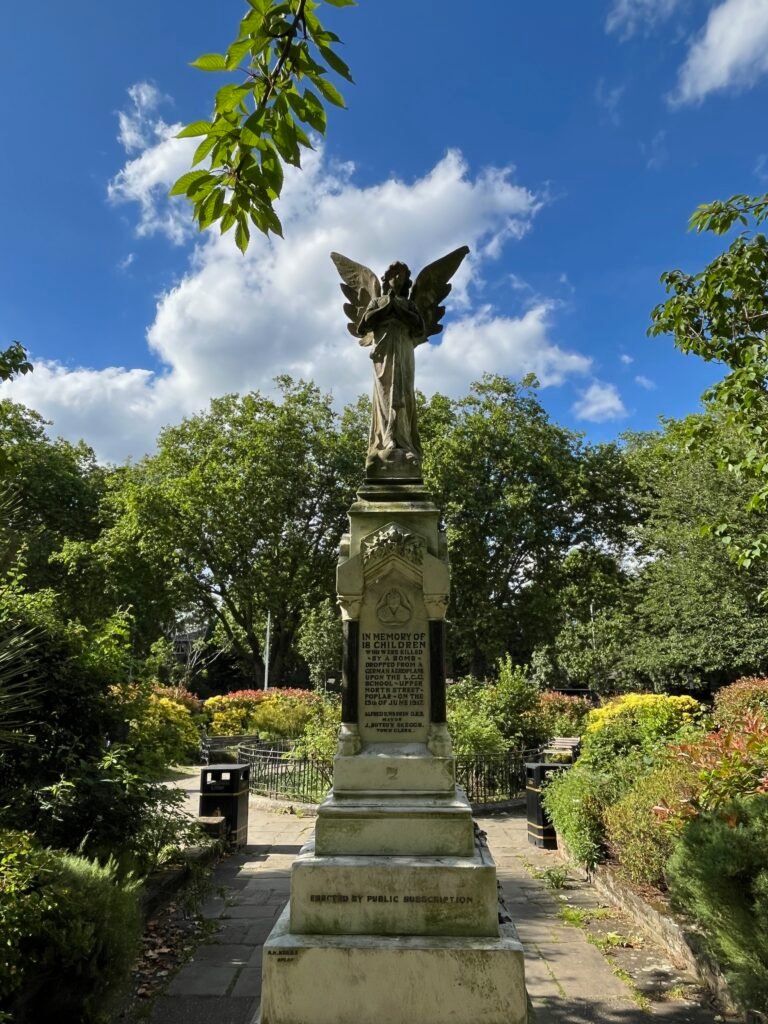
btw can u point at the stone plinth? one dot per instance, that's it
(375, 979)
(424, 826)
(394, 895)
(394, 769)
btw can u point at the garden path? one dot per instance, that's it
(569, 978)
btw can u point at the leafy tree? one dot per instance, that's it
(282, 54)
(55, 488)
(696, 621)
(721, 315)
(671, 613)
(13, 361)
(319, 641)
(241, 511)
(518, 493)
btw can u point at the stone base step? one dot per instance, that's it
(394, 895)
(395, 825)
(394, 769)
(371, 979)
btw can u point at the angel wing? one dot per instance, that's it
(431, 287)
(359, 286)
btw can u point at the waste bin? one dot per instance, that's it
(541, 831)
(224, 791)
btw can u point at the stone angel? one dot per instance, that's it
(392, 318)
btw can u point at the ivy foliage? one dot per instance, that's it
(283, 56)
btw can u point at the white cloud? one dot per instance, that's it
(627, 360)
(730, 52)
(600, 402)
(162, 159)
(627, 17)
(761, 167)
(234, 322)
(645, 382)
(655, 152)
(608, 98)
(125, 263)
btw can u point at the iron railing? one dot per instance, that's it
(493, 778)
(485, 778)
(275, 774)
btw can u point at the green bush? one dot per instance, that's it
(70, 930)
(273, 714)
(642, 721)
(472, 730)
(741, 698)
(718, 874)
(561, 715)
(491, 717)
(320, 736)
(643, 827)
(577, 800)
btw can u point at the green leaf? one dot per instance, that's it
(342, 3)
(334, 61)
(229, 96)
(197, 189)
(330, 92)
(181, 186)
(242, 235)
(314, 112)
(204, 149)
(272, 169)
(210, 62)
(211, 208)
(196, 128)
(228, 219)
(236, 52)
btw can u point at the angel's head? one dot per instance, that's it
(397, 279)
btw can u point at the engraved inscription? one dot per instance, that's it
(377, 898)
(393, 676)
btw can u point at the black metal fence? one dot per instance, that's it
(493, 778)
(275, 774)
(487, 779)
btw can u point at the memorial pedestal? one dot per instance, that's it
(394, 913)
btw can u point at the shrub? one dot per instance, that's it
(729, 763)
(577, 801)
(635, 720)
(642, 828)
(514, 705)
(70, 930)
(274, 714)
(181, 695)
(471, 729)
(167, 727)
(320, 736)
(492, 717)
(562, 715)
(718, 874)
(733, 702)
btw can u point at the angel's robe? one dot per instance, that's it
(397, 327)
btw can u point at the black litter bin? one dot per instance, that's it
(224, 791)
(541, 831)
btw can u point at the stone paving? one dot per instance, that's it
(568, 978)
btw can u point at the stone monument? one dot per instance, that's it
(394, 913)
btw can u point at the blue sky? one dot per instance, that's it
(566, 143)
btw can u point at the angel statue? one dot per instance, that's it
(392, 318)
